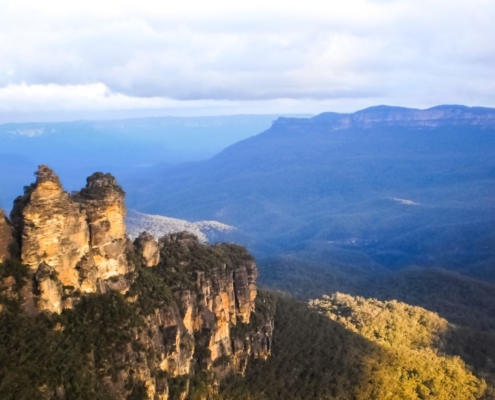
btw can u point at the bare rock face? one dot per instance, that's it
(51, 227)
(245, 289)
(148, 248)
(5, 236)
(194, 302)
(52, 233)
(222, 297)
(103, 203)
(79, 238)
(50, 298)
(208, 326)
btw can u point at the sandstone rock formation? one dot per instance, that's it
(103, 203)
(148, 248)
(5, 236)
(221, 297)
(209, 323)
(79, 238)
(193, 302)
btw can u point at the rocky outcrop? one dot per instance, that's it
(209, 325)
(221, 296)
(148, 248)
(103, 203)
(191, 305)
(5, 236)
(80, 239)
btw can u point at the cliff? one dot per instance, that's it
(386, 116)
(5, 236)
(71, 243)
(167, 319)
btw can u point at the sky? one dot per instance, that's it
(109, 59)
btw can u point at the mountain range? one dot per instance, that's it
(78, 148)
(399, 186)
(376, 190)
(374, 237)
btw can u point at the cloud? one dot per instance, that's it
(141, 54)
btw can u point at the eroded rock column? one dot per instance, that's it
(52, 231)
(103, 203)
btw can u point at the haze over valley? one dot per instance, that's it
(122, 146)
(247, 200)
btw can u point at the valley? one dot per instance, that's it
(363, 227)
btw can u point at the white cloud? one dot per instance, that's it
(105, 55)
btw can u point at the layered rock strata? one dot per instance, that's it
(192, 304)
(71, 243)
(208, 326)
(102, 202)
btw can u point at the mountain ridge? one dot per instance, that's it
(118, 317)
(385, 115)
(304, 182)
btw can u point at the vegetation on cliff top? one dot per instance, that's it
(365, 350)
(341, 347)
(75, 352)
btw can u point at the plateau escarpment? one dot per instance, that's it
(164, 318)
(371, 191)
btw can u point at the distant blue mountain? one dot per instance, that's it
(78, 148)
(385, 186)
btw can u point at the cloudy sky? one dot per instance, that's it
(103, 58)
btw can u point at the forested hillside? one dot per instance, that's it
(354, 348)
(384, 187)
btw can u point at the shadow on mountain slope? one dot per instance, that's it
(314, 357)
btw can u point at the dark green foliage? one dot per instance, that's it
(33, 354)
(236, 254)
(138, 392)
(177, 386)
(13, 267)
(98, 192)
(314, 357)
(265, 306)
(78, 348)
(463, 301)
(150, 289)
(102, 325)
(200, 385)
(180, 262)
(68, 350)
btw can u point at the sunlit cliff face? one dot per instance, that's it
(80, 238)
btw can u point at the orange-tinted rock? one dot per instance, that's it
(103, 203)
(5, 236)
(79, 238)
(223, 296)
(51, 229)
(148, 248)
(75, 245)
